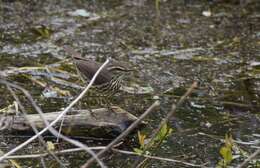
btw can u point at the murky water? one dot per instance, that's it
(215, 43)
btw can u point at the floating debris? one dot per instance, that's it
(49, 93)
(10, 109)
(80, 12)
(137, 89)
(36, 71)
(182, 54)
(255, 63)
(193, 104)
(33, 50)
(207, 13)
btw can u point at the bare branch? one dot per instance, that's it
(49, 127)
(31, 156)
(103, 147)
(41, 140)
(252, 156)
(159, 158)
(174, 107)
(123, 134)
(169, 115)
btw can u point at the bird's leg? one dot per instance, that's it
(92, 114)
(89, 103)
(109, 104)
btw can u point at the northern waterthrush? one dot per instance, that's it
(109, 79)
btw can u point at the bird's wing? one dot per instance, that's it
(89, 68)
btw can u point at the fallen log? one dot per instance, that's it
(97, 122)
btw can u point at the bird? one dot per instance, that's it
(109, 80)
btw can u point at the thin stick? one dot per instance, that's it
(158, 158)
(123, 134)
(249, 158)
(41, 140)
(174, 107)
(169, 115)
(65, 151)
(32, 156)
(51, 129)
(58, 118)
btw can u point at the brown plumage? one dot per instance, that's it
(108, 79)
(88, 68)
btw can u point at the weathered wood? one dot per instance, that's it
(98, 122)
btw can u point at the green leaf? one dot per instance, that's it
(42, 31)
(138, 151)
(163, 130)
(163, 133)
(170, 130)
(141, 138)
(226, 153)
